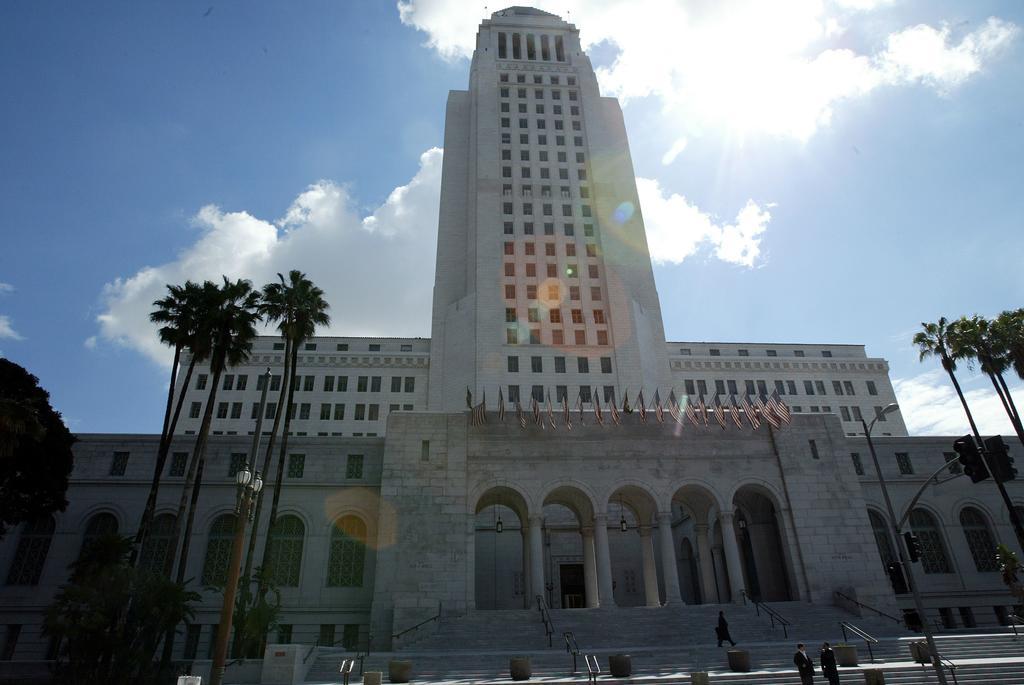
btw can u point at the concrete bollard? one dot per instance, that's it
(372, 678)
(874, 676)
(739, 660)
(700, 678)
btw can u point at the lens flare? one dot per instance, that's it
(624, 212)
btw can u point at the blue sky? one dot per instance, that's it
(876, 145)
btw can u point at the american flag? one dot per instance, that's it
(598, 414)
(734, 412)
(579, 406)
(703, 409)
(501, 406)
(536, 411)
(616, 419)
(551, 411)
(641, 406)
(776, 404)
(719, 413)
(659, 412)
(755, 423)
(673, 407)
(565, 412)
(691, 413)
(478, 416)
(766, 414)
(626, 409)
(520, 415)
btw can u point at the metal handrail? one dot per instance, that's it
(881, 613)
(1014, 619)
(360, 653)
(869, 640)
(773, 615)
(950, 665)
(545, 617)
(421, 623)
(572, 647)
(346, 669)
(593, 667)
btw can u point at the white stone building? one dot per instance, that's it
(391, 504)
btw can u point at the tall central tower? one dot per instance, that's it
(543, 281)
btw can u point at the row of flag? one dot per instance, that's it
(770, 409)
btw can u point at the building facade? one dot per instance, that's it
(396, 506)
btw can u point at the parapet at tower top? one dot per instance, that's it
(527, 15)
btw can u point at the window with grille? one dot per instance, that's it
(296, 465)
(858, 466)
(933, 551)
(100, 525)
(157, 545)
(350, 636)
(284, 551)
(354, 466)
(30, 555)
(218, 550)
(904, 463)
(347, 553)
(881, 530)
(119, 463)
(979, 540)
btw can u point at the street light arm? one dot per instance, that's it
(934, 476)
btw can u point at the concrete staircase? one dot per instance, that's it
(668, 643)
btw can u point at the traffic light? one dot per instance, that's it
(999, 459)
(899, 583)
(970, 458)
(913, 547)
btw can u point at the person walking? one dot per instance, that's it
(722, 630)
(804, 665)
(828, 664)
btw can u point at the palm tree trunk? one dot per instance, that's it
(204, 434)
(1012, 409)
(282, 399)
(963, 400)
(161, 457)
(279, 481)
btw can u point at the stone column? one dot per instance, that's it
(720, 576)
(527, 569)
(589, 567)
(605, 594)
(650, 568)
(707, 566)
(732, 557)
(669, 566)
(536, 555)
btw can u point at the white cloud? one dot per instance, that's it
(749, 66)
(677, 229)
(674, 151)
(7, 329)
(930, 406)
(375, 270)
(6, 288)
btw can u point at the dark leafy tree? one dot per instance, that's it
(35, 449)
(98, 642)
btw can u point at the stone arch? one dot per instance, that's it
(89, 514)
(767, 570)
(574, 495)
(347, 544)
(499, 551)
(697, 497)
(883, 536)
(502, 493)
(638, 497)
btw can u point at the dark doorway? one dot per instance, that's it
(573, 586)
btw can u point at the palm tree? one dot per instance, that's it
(299, 307)
(1009, 327)
(934, 341)
(177, 312)
(976, 338)
(227, 317)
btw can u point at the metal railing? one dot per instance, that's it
(361, 652)
(868, 640)
(419, 625)
(1014, 619)
(773, 615)
(593, 667)
(572, 647)
(545, 617)
(949, 665)
(881, 613)
(346, 669)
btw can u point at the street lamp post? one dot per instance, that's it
(904, 561)
(249, 485)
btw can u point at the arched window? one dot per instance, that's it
(218, 550)
(284, 553)
(99, 525)
(881, 530)
(979, 539)
(33, 545)
(157, 545)
(348, 552)
(933, 551)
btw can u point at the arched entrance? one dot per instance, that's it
(501, 564)
(631, 514)
(760, 542)
(693, 518)
(566, 530)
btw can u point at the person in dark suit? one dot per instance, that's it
(804, 665)
(722, 630)
(828, 664)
